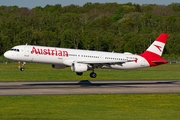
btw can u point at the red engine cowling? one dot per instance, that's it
(79, 67)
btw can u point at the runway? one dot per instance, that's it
(88, 87)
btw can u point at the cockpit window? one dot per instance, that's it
(17, 50)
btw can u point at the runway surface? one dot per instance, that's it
(88, 87)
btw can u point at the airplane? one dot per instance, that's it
(83, 60)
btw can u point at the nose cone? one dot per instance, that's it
(8, 55)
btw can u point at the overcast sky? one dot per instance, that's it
(42, 3)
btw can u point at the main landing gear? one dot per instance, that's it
(92, 74)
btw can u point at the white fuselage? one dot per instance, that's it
(83, 60)
(59, 56)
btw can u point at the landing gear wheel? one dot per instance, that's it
(93, 75)
(79, 73)
(21, 69)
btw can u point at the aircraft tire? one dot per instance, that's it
(93, 75)
(21, 69)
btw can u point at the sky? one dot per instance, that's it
(33, 3)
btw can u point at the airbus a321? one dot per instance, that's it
(83, 60)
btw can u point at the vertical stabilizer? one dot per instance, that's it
(157, 46)
(154, 52)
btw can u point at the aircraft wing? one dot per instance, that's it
(97, 63)
(104, 62)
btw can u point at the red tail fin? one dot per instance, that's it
(154, 52)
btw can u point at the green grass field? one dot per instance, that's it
(89, 107)
(43, 72)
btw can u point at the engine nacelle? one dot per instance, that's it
(79, 67)
(58, 66)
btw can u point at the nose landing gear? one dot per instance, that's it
(22, 68)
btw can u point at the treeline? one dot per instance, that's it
(94, 26)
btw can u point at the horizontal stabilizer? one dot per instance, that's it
(158, 62)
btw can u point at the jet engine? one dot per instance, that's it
(58, 66)
(79, 67)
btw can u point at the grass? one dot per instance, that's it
(98, 107)
(89, 107)
(92, 107)
(43, 72)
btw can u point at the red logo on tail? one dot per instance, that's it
(158, 47)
